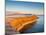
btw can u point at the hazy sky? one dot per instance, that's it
(30, 7)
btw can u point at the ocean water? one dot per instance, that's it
(38, 27)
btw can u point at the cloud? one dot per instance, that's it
(22, 12)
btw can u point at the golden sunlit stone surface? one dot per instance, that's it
(21, 23)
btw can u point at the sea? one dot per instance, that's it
(38, 27)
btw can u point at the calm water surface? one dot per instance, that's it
(38, 27)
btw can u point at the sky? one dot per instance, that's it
(25, 7)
